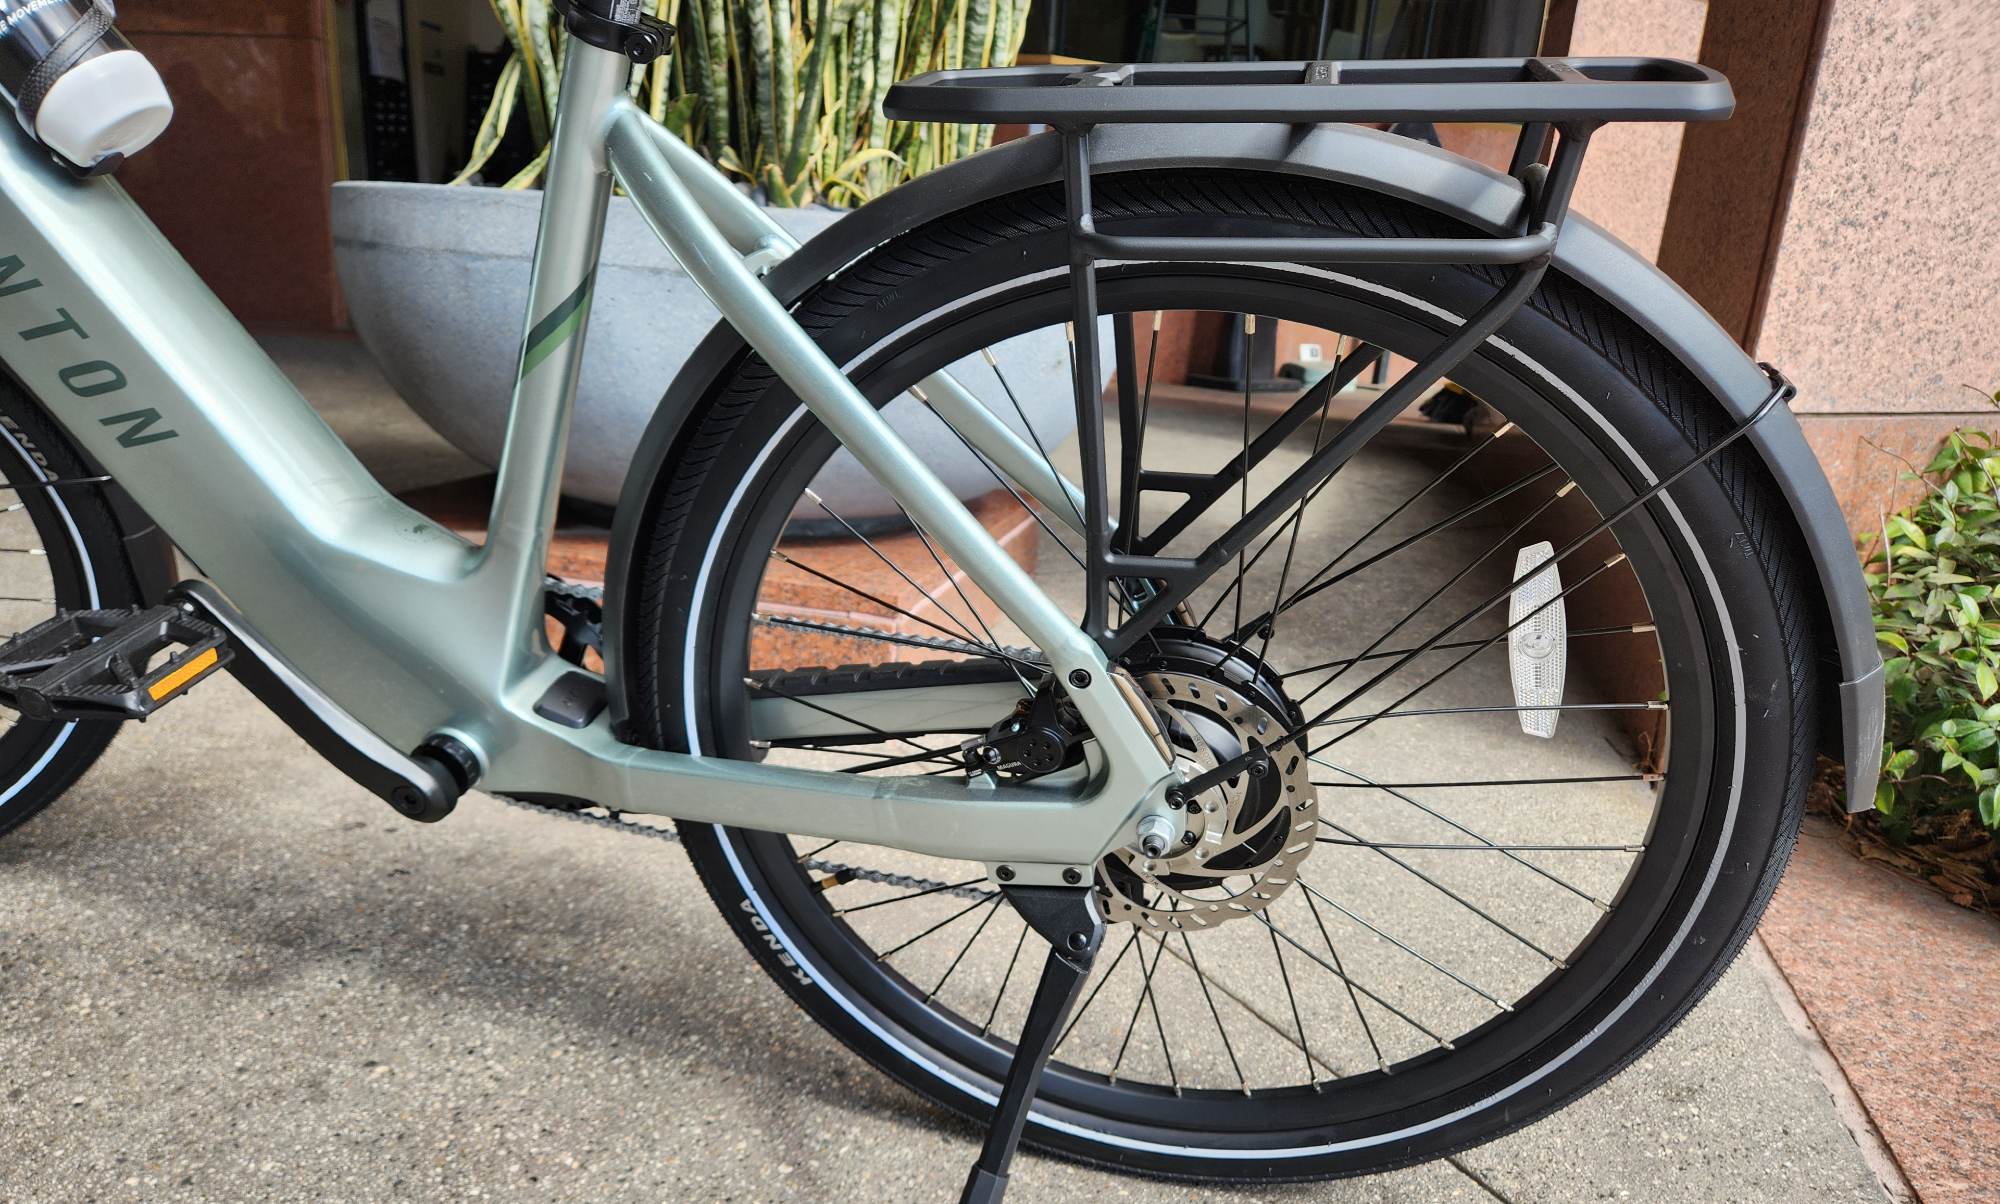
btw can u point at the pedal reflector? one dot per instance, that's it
(183, 675)
(1538, 644)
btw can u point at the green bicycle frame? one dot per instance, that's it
(415, 631)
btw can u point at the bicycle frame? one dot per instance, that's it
(416, 632)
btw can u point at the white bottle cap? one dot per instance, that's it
(111, 104)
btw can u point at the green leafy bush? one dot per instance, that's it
(1933, 574)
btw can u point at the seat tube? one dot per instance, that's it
(576, 194)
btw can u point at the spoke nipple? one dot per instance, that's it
(1564, 491)
(1503, 430)
(777, 555)
(760, 744)
(919, 394)
(1615, 560)
(814, 499)
(988, 353)
(1158, 315)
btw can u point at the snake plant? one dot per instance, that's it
(784, 94)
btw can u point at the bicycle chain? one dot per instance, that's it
(615, 821)
(1032, 656)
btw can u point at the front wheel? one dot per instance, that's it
(1516, 851)
(60, 549)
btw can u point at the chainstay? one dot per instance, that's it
(616, 822)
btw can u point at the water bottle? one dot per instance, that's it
(76, 84)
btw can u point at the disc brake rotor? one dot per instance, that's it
(1245, 838)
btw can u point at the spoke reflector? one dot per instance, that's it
(1538, 647)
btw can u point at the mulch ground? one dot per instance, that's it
(1953, 855)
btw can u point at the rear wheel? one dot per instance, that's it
(1470, 903)
(60, 549)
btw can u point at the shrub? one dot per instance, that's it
(1933, 574)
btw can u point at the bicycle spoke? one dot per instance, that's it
(781, 558)
(952, 580)
(1392, 1009)
(1033, 436)
(1251, 1009)
(1439, 676)
(935, 757)
(1285, 975)
(1145, 993)
(1633, 628)
(1390, 713)
(1406, 503)
(1292, 543)
(1485, 848)
(816, 852)
(1340, 972)
(997, 475)
(1440, 817)
(1448, 893)
(814, 498)
(1005, 979)
(970, 942)
(934, 927)
(1220, 1030)
(1368, 785)
(766, 685)
(1433, 596)
(1496, 1002)
(947, 886)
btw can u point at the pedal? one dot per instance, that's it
(99, 664)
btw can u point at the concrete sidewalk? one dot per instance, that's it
(231, 975)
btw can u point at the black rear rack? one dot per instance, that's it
(1567, 97)
(1513, 90)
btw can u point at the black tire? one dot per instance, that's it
(1722, 568)
(64, 551)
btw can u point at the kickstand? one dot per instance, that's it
(1068, 919)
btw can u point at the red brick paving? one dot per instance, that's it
(1904, 988)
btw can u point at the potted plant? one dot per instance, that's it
(784, 95)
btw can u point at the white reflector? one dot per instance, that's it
(1537, 647)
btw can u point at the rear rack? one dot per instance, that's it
(1513, 90)
(1569, 98)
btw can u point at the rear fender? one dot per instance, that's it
(1399, 167)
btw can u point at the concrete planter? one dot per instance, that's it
(436, 280)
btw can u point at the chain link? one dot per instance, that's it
(617, 822)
